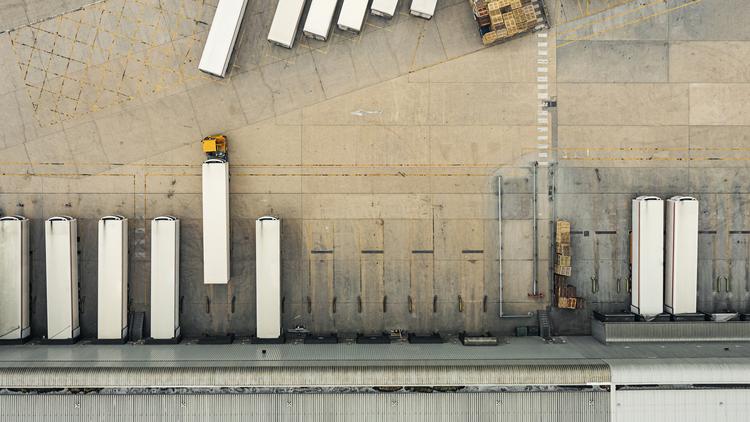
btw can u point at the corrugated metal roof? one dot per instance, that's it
(579, 373)
(682, 405)
(680, 371)
(527, 349)
(574, 406)
(661, 332)
(283, 354)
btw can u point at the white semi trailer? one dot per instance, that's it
(681, 266)
(285, 22)
(319, 19)
(112, 271)
(352, 15)
(215, 221)
(15, 325)
(165, 279)
(384, 8)
(423, 8)
(61, 250)
(268, 277)
(647, 293)
(221, 37)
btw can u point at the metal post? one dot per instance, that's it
(535, 281)
(500, 238)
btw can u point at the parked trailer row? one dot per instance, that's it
(664, 282)
(61, 251)
(227, 20)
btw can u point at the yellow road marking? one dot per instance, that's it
(609, 7)
(610, 17)
(272, 165)
(671, 9)
(655, 158)
(625, 149)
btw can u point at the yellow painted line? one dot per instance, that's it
(75, 175)
(655, 158)
(404, 175)
(625, 13)
(147, 175)
(671, 9)
(652, 149)
(322, 165)
(610, 7)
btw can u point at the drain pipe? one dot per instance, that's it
(500, 250)
(535, 281)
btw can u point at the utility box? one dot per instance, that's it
(112, 300)
(681, 266)
(352, 15)
(215, 221)
(647, 293)
(61, 249)
(285, 22)
(319, 18)
(423, 8)
(268, 277)
(384, 8)
(165, 278)
(15, 323)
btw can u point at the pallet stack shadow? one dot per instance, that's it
(565, 294)
(500, 20)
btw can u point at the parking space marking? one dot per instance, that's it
(105, 54)
(542, 88)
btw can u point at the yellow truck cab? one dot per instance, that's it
(215, 146)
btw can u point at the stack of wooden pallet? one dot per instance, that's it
(502, 19)
(562, 248)
(564, 293)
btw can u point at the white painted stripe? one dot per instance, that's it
(542, 93)
(543, 163)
